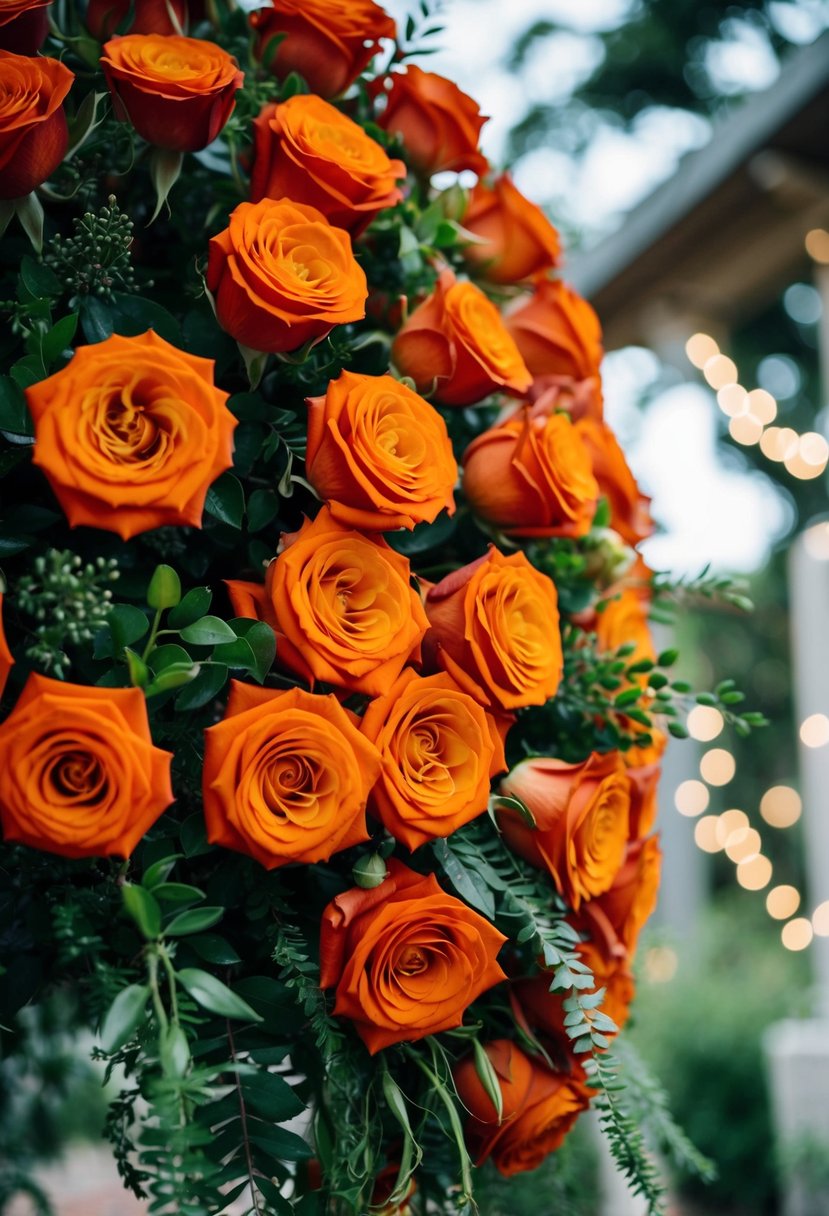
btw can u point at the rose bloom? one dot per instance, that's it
(439, 750)
(615, 919)
(6, 656)
(644, 771)
(544, 1011)
(516, 241)
(582, 816)
(406, 959)
(33, 131)
(530, 475)
(283, 276)
(495, 628)
(379, 454)
(342, 607)
(539, 1108)
(177, 92)
(328, 43)
(438, 124)
(456, 341)
(131, 433)
(24, 25)
(307, 150)
(629, 507)
(79, 775)
(557, 332)
(286, 776)
(624, 619)
(103, 17)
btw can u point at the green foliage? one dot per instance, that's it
(68, 600)
(95, 261)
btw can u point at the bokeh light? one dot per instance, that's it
(745, 429)
(797, 934)
(761, 405)
(700, 348)
(814, 730)
(719, 370)
(728, 822)
(661, 963)
(743, 844)
(817, 245)
(717, 766)
(754, 873)
(706, 835)
(691, 798)
(779, 443)
(782, 902)
(820, 919)
(733, 400)
(704, 722)
(781, 806)
(816, 540)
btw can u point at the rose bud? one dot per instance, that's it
(438, 124)
(516, 241)
(327, 42)
(177, 92)
(24, 25)
(557, 332)
(104, 18)
(456, 341)
(33, 130)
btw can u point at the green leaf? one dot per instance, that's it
(236, 654)
(96, 319)
(158, 871)
(59, 338)
(677, 730)
(194, 920)
(193, 836)
(272, 1193)
(279, 1142)
(134, 315)
(165, 656)
(42, 282)
(143, 909)
(14, 413)
(268, 996)
(423, 536)
(137, 668)
(488, 1078)
(207, 684)
(215, 996)
(226, 500)
(124, 1016)
(208, 631)
(262, 641)
(271, 1096)
(177, 892)
(214, 949)
(194, 605)
(164, 590)
(127, 624)
(262, 508)
(165, 167)
(172, 677)
(174, 1051)
(469, 886)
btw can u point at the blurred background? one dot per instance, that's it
(682, 147)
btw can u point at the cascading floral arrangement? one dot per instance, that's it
(327, 770)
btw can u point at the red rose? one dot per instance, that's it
(24, 25)
(439, 125)
(33, 131)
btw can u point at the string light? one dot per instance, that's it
(728, 822)
(781, 806)
(782, 902)
(743, 844)
(754, 873)
(816, 540)
(817, 245)
(706, 835)
(814, 731)
(761, 405)
(704, 722)
(745, 429)
(691, 798)
(802, 469)
(717, 766)
(820, 919)
(700, 348)
(733, 400)
(797, 934)
(814, 449)
(719, 370)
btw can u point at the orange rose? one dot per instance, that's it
(79, 774)
(515, 239)
(495, 627)
(439, 125)
(615, 919)
(24, 25)
(177, 92)
(379, 454)
(557, 332)
(406, 959)
(544, 1010)
(439, 749)
(306, 150)
(282, 276)
(456, 340)
(539, 1108)
(342, 607)
(644, 771)
(582, 816)
(629, 507)
(33, 130)
(131, 433)
(530, 476)
(286, 776)
(624, 619)
(328, 43)
(103, 17)
(6, 656)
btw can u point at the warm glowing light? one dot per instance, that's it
(816, 540)
(661, 963)
(782, 902)
(719, 370)
(742, 844)
(797, 934)
(704, 722)
(779, 443)
(745, 429)
(691, 798)
(705, 834)
(820, 919)
(717, 767)
(780, 806)
(754, 873)
(761, 405)
(728, 822)
(817, 245)
(813, 448)
(733, 400)
(700, 348)
(802, 469)
(814, 731)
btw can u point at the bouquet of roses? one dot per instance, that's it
(327, 772)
